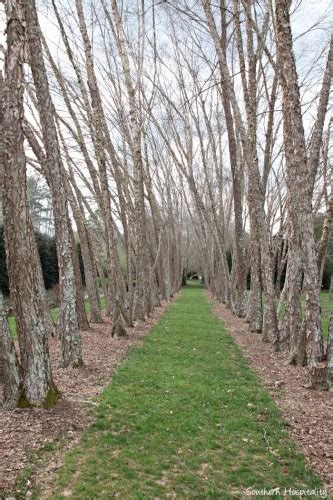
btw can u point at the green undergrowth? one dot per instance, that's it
(183, 417)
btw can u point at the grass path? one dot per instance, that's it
(183, 417)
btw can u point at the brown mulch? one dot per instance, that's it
(25, 431)
(308, 413)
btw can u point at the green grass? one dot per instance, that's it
(183, 417)
(54, 314)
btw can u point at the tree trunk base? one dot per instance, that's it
(118, 328)
(318, 377)
(10, 370)
(96, 319)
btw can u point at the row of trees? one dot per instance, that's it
(279, 175)
(166, 133)
(117, 185)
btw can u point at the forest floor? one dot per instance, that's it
(184, 416)
(33, 439)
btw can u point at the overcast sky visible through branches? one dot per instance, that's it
(311, 23)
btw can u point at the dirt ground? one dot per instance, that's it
(308, 413)
(23, 432)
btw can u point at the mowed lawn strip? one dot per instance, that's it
(184, 417)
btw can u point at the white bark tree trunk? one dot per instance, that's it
(300, 171)
(71, 354)
(37, 387)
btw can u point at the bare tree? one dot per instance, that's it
(68, 322)
(37, 387)
(308, 343)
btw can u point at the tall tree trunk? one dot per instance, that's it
(302, 208)
(254, 311)
(323, 243)
(79, 300)
(86, 251)
(293, 333)
(329, 354)
(248, 140)
(71, 354)
(10, 370)
(37, 387)
(89, 272)
(117, 294)
(142, 273)
(237, 180)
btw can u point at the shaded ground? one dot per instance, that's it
(26, 434)
(309, 413)
(183, 417)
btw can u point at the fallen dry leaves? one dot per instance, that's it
(308, 413)
(24, 431)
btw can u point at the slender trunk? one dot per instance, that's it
(117, 292)
(237, 174)
(79, 298)
(254, 312)
(90, 274)
(329, 354)
(142, 272)
(86, 251)
(323, 243)
(71, 354)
